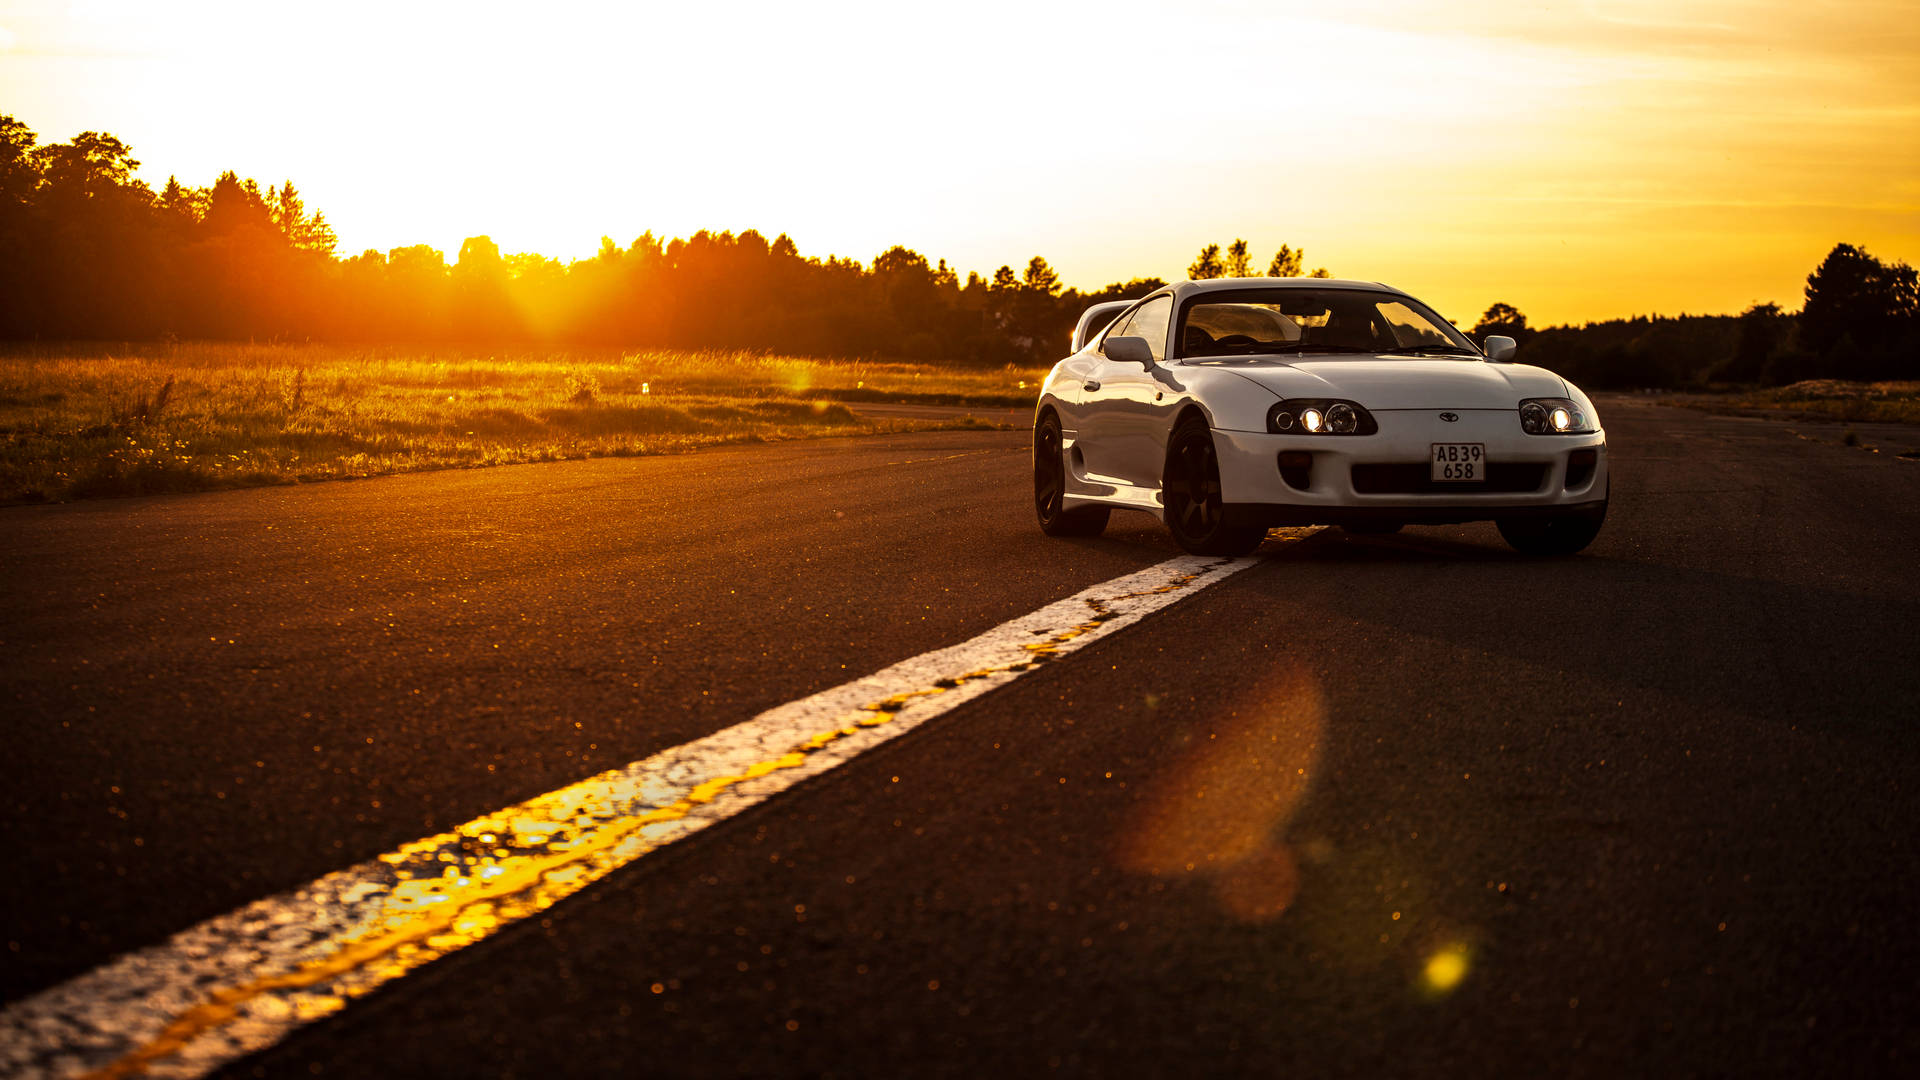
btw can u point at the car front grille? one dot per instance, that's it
(1503, 477)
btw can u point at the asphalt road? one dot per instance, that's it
(1400, 805)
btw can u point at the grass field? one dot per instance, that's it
(84, 421)
(1821, 399)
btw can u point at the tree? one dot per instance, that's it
(479, 264)
(1286, 262)
(178, 201)
(898, 261)
(310, 234)
(233, 206)
(1208, 265)
(1040, 277)
(1763, 329)
(1237, 263)
(19, 176)
(92, 166)
(1502, 318)
(1132, 289)
(1852, 294)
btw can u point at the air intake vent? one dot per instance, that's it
(1296, 468)
(1580, 465)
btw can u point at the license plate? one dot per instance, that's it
(1459, 462)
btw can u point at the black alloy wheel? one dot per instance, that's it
(1050, 487)
(1190, 489)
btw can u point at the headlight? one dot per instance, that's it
(1319, 416)
(1554, 416)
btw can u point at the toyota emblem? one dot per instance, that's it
(1449, 417)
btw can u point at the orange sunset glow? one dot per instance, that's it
(1582, 161)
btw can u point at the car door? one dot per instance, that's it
(1100, 423)
(1131, 393)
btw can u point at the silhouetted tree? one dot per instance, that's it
(1861, 315)
(1764, 329)
(234, 206)
(1120, 290)
(20, 257)
(92, 166)
(19, 176)
(1502, 318)
(1040, 277)
(1207, 265)
(1237, 264)
(304, 232)
(481, 309)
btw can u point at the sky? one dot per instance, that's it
(1580, 161)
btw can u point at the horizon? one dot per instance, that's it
(1615, 160)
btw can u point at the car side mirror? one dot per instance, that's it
(1129, 350)
(1499, 348)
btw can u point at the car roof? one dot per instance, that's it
(1184, 289)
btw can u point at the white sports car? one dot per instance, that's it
(1231, 406)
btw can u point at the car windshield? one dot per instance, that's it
(1330, 320)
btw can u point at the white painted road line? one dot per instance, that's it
(241, 982)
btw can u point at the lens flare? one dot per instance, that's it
(1562, 419)
(1312, 420)
(1445, 969)
(1220, 810)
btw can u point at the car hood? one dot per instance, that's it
(1398, 382)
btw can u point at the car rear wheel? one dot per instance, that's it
(1553, 534)
(1190, 490)
(1050, 487)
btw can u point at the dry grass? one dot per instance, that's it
(77, 421)
(1821, 399)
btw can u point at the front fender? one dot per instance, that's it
(1230, 401)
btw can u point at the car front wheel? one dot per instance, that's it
(1050, 487)
(1190, 493)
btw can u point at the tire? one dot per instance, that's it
(1190, 490)
(1557, 534)
(1050, 487)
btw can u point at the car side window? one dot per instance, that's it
(1148, 321)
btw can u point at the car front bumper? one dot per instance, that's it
(1384, 476)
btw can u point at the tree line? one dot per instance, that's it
(89, 252)
(1860, 321)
